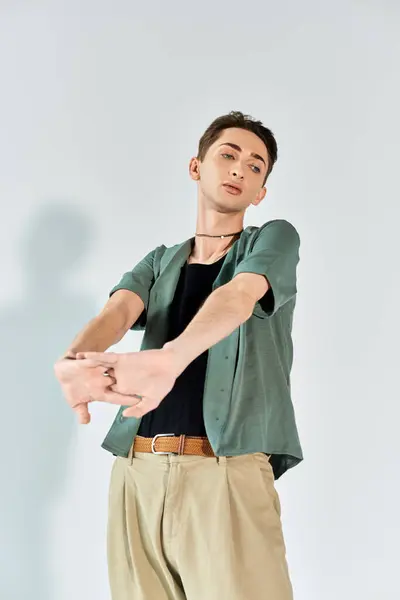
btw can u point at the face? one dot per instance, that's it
(238, 157)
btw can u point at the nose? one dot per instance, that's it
(237, 172)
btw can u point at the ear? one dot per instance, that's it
(194, 168)
(260, 196)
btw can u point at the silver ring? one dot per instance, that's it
(106, 374)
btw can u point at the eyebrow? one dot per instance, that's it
(236, 147)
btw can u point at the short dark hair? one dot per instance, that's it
(237, 119)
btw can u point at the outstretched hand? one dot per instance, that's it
(82, 383)
(141, 380)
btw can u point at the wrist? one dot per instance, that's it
(180, 359)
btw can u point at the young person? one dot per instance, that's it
(206, 423)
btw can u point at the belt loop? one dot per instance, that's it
(181, 444)
(131, 453)
(221, 460)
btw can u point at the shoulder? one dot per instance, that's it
(274, 225)
(272, 232)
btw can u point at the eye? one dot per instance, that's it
(258, 170)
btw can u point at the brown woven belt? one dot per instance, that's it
(168, 443)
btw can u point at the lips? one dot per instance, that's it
(232, 189)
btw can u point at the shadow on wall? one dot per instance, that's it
(37, 427)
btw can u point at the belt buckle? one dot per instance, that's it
(153, 442)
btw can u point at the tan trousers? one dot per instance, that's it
(195, 528)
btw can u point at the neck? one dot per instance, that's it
(208, 250)
(211, 222)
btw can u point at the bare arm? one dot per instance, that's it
(152, 373)
(110, 325)
(224, 310)
(78, 382)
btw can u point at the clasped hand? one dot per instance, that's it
(137, 380)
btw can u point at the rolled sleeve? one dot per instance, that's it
(139, 280)
(275, 254)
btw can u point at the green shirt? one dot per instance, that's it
(247, 401)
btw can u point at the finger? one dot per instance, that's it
(120, 399)
(136, 411)
(111, 378)
(110, 382)
(83, 414)
(102, 358)
(130, 412)
(115, 388)
(143, 406)
(93, 364)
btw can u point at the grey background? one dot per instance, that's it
(101, 107)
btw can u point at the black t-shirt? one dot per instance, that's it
(181, 411)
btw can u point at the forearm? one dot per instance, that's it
(224, 311)
(105, 330)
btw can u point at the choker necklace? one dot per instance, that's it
(218, 236)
